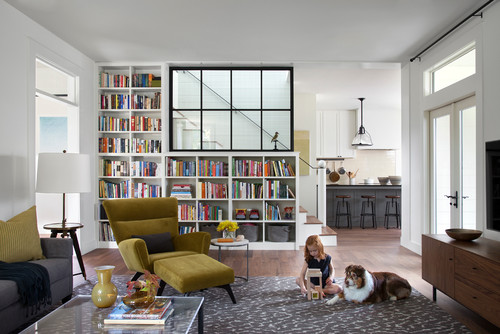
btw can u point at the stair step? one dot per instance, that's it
(326, 230)
(313, 220)
(302, 209)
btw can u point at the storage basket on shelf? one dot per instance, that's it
(278, 233)
(212, 229)
(250, 231)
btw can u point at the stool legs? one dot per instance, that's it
(368, 209)
(393, 204)
(339, 213)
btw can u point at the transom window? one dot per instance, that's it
(458, 66)
(231, 109)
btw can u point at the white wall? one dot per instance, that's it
(22, 40)
(305, 119)
(485, 84)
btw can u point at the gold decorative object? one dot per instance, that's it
(104, 292)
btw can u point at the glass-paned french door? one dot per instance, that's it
(453, 166)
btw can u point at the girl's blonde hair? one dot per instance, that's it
(314, 240)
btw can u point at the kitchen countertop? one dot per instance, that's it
(363, 185)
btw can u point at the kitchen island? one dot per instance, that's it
(356, 191)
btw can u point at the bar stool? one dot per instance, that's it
(392, 202)
(368, 209)
(346, 212)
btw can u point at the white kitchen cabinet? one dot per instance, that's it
(337, 129)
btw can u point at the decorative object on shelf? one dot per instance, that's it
(288, 212)
(362, 137)
(141, 293)
(240, 214)
(254, 214)
(463, 234)
(104, 292)
(228, 229)
(63, 173)
(275, 140)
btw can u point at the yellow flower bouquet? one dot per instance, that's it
(228, 226)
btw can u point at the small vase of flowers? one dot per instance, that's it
(228, 229)
(141, 293)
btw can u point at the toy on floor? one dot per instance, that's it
(317, 292)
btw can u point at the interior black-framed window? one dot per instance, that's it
(231, 108)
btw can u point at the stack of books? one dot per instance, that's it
(181, 191)
(155, 314)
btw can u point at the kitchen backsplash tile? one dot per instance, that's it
(371, 164)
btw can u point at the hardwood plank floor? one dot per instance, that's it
(376, 250)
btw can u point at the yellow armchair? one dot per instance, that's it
(147, 216)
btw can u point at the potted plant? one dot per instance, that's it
(141, 293)
(228, 229)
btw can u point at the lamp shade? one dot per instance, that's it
(63, 173)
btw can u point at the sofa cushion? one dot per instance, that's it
(19, 238)
(157, 243)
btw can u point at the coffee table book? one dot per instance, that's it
(156, 313)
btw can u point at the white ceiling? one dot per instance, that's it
(341, 49)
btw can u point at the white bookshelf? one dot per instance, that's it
(121, 163)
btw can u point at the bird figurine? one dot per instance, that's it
(275, 139)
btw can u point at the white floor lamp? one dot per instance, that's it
(63, 173)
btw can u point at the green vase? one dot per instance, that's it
(104, 292)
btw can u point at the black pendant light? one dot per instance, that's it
(362, 138)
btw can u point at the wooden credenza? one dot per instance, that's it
(467, 271)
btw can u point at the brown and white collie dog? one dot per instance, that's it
(362, 286)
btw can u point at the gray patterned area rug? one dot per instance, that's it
(274, 305)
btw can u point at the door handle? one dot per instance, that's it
(453, 197)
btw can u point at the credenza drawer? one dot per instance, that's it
(478, 270)
(487, 305)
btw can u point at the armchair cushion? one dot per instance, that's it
(125, 229)
(157, 243)
(19, 238)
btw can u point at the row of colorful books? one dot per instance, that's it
(186, 212)
(247, 168)
(109, 123)
(181, 191)
(114, 168)
(278, 189)
(125, 145)
(180, 168)
(113, 80)
(127, 189)
(211, 190)
(246, 190)
(212, 168)
(106, 234)
(278, 168)
(133, 101)
(186, 229)
(209, 212)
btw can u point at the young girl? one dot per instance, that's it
(315, 257)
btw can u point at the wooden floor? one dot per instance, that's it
(376, 250)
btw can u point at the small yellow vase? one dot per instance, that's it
(104, 292)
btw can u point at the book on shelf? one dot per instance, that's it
(181, 191)
(156, 313)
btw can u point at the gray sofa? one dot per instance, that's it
(59, 263)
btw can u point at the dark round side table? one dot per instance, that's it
(69, 228)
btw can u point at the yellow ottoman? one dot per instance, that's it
(195, 272)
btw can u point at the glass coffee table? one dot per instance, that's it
(80, 315)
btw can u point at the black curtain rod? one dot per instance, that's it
(452, 29)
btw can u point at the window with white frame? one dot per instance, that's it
(458, 66)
